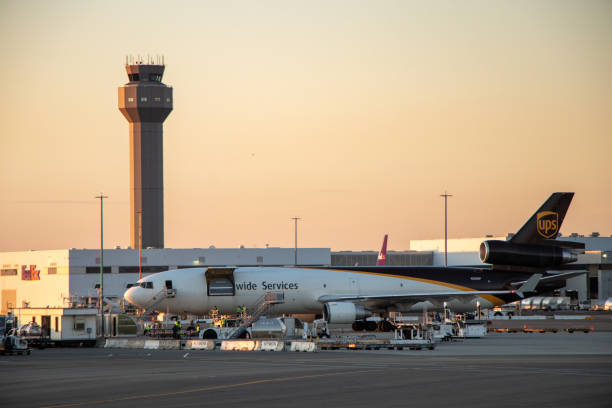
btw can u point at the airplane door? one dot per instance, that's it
(220, 282)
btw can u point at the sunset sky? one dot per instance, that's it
(353, 115)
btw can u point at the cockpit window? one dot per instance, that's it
(146, 285)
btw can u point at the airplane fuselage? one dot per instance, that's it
(303, 287)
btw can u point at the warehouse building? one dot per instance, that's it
(56, 278)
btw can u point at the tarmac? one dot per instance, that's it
(543, 370)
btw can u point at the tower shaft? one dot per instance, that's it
(147, 184)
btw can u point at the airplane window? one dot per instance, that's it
(146, 285)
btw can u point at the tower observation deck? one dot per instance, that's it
(146, 102)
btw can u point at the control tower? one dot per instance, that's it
(146, 102)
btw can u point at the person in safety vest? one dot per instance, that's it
(176, 329)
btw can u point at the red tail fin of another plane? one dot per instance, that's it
(382, 255)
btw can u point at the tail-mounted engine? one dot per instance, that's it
(508, 253)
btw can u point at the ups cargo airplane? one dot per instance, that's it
(351, 294)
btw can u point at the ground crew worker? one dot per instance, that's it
(239, 310)
(198, 330)
(223, 322)
(175, 329)
(147, 329)
(214, 312)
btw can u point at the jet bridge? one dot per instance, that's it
(220, 282)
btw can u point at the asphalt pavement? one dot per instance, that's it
(543, 370)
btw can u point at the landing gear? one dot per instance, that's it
(358, 325)
(370, 325)
(386, 326)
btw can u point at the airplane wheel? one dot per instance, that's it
(209, 335)
(371, 326)
(358, 325)
(387, 326)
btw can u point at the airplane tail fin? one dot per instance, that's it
(535, 244)
(546, 222)
(382, 255)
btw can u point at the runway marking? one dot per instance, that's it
(211, 388)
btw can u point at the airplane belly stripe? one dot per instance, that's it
(493, 299)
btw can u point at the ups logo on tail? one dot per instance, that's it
(548, 224)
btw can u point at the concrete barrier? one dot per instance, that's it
(135, 343)
(573, 317)
(169, 344)
(271, 345)
(151, 344)
(306, 346)
(112, 343)
(200, 345)
(240, 345)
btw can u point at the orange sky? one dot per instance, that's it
(354, 115)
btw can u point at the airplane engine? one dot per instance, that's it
(507, 253)
(343, 312)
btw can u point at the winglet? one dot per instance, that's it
(530, 285)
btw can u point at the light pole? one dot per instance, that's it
(296, 246)
(101, 305)
(445, 195)
(139, 244)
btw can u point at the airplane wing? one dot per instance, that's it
(555, 277)
(433, 297)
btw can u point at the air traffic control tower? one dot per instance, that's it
(146, 102)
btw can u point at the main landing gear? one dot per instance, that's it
(370, 325)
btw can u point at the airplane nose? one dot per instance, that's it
(129, 295)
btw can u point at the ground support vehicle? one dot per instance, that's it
(12, 343)
(470, 330)
(34, 335)
(442, 331)
(279, 327)
(223, 328)
(318, 329)
(413, 336)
